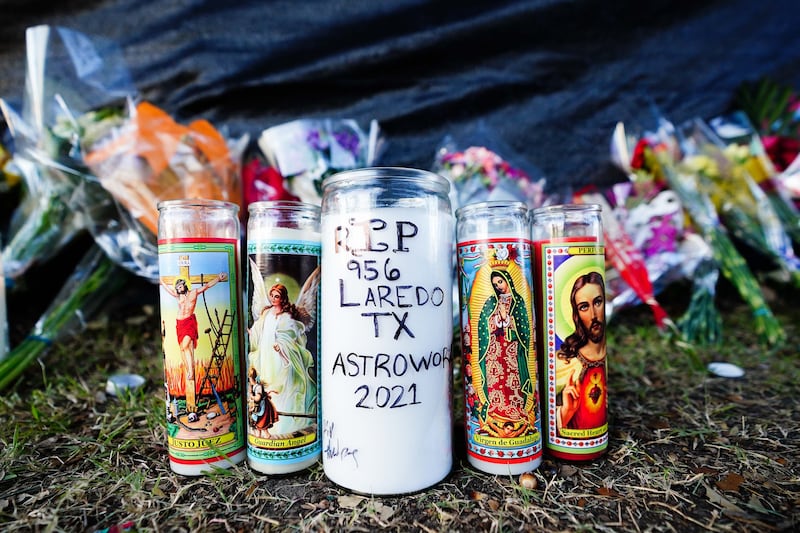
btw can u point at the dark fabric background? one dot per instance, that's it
(550, 78)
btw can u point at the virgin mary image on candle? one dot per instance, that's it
(502, 373)
(278, 356)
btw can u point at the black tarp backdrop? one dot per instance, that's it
(550, 78)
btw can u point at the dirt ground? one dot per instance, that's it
(688, 451)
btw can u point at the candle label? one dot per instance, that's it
(386, 351)
(498, 341)
(283, 347)
(573, 311)
(200, 330)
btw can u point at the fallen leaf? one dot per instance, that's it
(567, 470)
(730, 482)
(384, 512)
(494, 505)
(605, 491)
(715, 497)
(350, 501)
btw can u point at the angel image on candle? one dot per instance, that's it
(278, 348)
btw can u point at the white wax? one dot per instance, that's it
(276, 234)
(400, 439)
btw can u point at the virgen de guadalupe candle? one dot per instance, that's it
(569, 269)
(387, 251)
(198, 261)
(502, 420)
(283, 256)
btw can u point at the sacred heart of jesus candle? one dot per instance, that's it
(386, 372)
(571, 316)
(502, 420)
(198, 262)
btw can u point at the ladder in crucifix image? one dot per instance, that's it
(220, 336)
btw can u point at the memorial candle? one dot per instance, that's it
(283, 256)
(502, 420)
(387, 238)
(198, 260)
(569, 270)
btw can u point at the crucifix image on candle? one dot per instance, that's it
(186, 289)
(199, 291)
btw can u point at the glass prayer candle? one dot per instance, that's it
(502, 419)
(198, 261)
(569, 270)
(387, 251)
(283, 265)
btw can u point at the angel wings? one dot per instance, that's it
(305, 306)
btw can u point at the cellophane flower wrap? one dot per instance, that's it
(147, 157)
(45, 219)
(99, 161)
(302, 153)
(743, 206)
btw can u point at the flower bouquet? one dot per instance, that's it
(742, 145)
(654, 219)
(667, 165)
(480, 168)
(148, 157)
(107, 162)
(305, 152)
(742, 205)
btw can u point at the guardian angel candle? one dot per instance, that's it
(387, 254)
(502, 420)
(198, 261)
(569, 269)
(283, 256)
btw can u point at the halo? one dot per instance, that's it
(564, 278)
(292, 287)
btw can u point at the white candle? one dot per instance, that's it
(386, 349)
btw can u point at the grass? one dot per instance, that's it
(688, 451)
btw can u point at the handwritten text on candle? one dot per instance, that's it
(374, 285)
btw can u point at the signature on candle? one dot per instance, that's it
(333, 447)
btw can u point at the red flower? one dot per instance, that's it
(638, 161)
(781, 150)
(263, 182)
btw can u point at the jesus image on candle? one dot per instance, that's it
(581, 369)
(504, 384)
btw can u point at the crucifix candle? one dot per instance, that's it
(198, 261)
(569, 270)
(283, 256)
(502, 416)
(387, 251)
